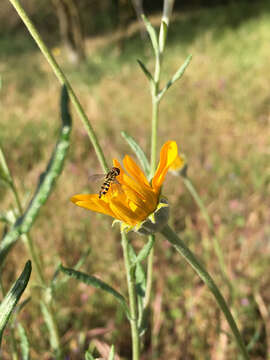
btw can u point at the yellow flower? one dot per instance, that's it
(137, 198)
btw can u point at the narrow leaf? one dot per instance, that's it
(139, 272)
(47, 181)
(152, 33)
(138, 151)
(140, 279)
(12, 297)
(88, 356)
(145, 250)
(180, 247)
(146, 71)
(175, 77)
(112, 353)
(56, 282)
(98, 284)
(24, 343)
(162, 35)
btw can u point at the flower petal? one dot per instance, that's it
(134, 170)
(123, 212)
(92, 202)
(178, 163)
(168, 154)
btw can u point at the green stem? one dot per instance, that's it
(155, 111)
(131, 281)
(15, 355)
(179, 245)
(35, 257)
(63, 80)
(188, 183)
(149, 277)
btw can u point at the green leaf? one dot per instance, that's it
(139, 272)
(88, 355)
(163, 35)
(45, 186)
(112, 353)
(56, 282)
(24, 343)
(138, 151)
(12, 297)
(175, 77)
(152, 33)
(146, 71)
(143, 254)
(98, 284)
(180, 247)
(140, 279)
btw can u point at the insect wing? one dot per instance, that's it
(116, 186)
(96, 178)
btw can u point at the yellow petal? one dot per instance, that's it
(123, 213)
(92, 202)
(134, 170)
(168, 154)
(178, 163)
(138, 188)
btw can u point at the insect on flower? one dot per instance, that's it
(132, 199)
(108, 180)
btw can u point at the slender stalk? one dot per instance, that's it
(32, 251)
(188, 183)
(149, 276)
(63, 80)
(155, 112)
(179, 245)
(131, 282)
(15, 355)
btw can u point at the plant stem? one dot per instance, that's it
(149, 277)
(188, 183)
(131, 281)
(63, 80)
(179, 245)
(32, 251)
(155, 112)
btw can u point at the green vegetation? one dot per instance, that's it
(219, 115)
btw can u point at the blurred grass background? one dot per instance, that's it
(218, 114)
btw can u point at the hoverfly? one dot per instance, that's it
(108, 180)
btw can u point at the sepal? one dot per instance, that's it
(155, 221)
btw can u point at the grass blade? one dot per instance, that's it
(112, 352)
(51, 327)
(24, 343)
(45, 186)
(98, 284)
(12, 297)
(88, 356)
